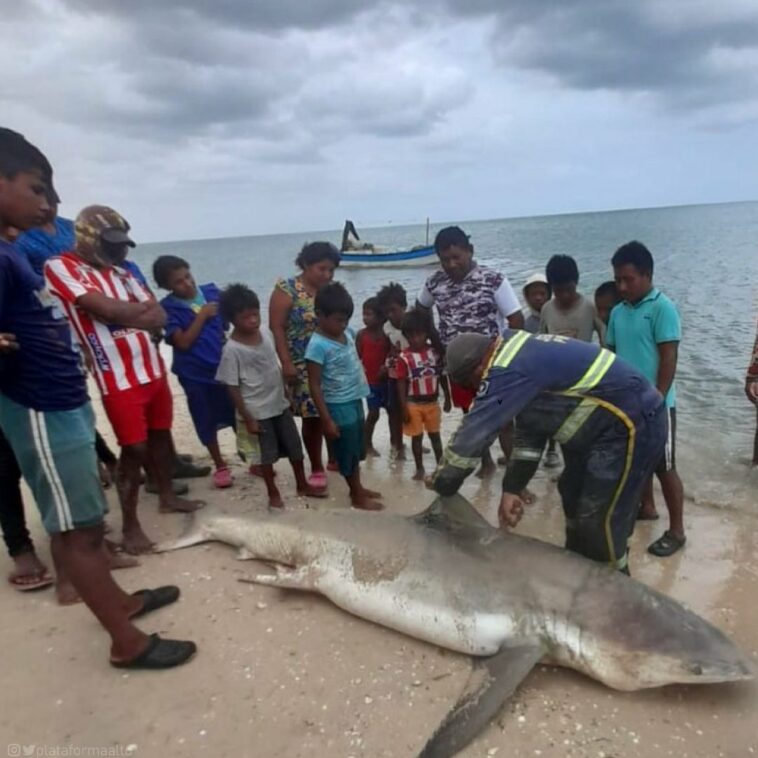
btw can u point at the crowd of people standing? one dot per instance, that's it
(70, 297)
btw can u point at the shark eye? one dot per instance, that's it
(696, 669)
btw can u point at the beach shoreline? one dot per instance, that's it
(281, 673)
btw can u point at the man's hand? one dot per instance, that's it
(448, 405)
(252, 426)
(511, 510)
(406, 415)
(8, 343)
(751, 390)
(208, 311)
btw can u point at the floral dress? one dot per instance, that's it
(300, 326)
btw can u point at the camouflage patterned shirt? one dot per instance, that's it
(479, 303)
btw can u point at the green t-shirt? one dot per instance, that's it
(636, 329)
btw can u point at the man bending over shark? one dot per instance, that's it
(609, 420)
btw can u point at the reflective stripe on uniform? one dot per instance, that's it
(595, 372)
(451, 458)
(507, 351)
(526, 454)
(575, 420)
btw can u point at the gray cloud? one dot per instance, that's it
(446, 104)
(673, 49)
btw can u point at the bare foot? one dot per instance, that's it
(117, 558)
(275, 501)
(370, 493)
(419, 476)
(486, 470)
(364, 503)
(136, 542)
(181, 505)
(647, 514)
(527, 496)
(399, 454)
(372, 452)
(66, 594)
(29, 572)
(313, 492)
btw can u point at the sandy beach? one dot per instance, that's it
(288, 674)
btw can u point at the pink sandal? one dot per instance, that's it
(222, 478)
(318, 480)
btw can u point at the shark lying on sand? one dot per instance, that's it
(447, 577)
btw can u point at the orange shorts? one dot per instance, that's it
(425, 417)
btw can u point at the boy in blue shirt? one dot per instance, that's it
(196, 332)
(645, 330)
(338, 385)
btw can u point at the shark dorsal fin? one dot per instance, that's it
(452, 511)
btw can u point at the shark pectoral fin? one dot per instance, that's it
(492, 681)
(453, 513)
(287, 578)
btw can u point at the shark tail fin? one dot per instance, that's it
(492, 681)
(194, 532)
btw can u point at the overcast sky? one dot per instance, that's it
(208, 118)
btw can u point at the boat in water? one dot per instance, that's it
(357, 254)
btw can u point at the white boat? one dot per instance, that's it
(357, 254)
(422, 256)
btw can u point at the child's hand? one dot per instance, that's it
(406, 415)
(252, 426)
(331, 430)
(383, 373)
(289, 372)
(208, 311)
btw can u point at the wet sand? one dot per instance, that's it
(282, 673)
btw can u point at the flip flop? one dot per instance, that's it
(160, 654)
(318, 480)
(667, 544)
(43, 580)
(154, 599)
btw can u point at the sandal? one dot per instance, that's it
(666, 545)
(30, 582)
(160, 654)
(318, 480)
(222, 478)
(154, 599)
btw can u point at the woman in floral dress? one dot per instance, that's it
(292, 320)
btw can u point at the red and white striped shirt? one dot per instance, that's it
(123, 357)
(422, 370)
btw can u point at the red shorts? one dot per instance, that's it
(135, 411)
(462, 397)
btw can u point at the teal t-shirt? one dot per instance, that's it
(342, 377)
(636, 329)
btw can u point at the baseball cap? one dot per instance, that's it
(537, 278)
(99, 223)
(464, 353)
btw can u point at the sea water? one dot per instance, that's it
(706, 260)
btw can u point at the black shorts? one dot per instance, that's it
(279, 438)
(668, 460)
